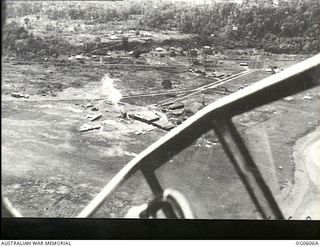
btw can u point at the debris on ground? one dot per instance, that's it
(75, 110)
(244, 120)
(289, 98)
(145, 129)
(94, 109)
(87, 127)
(163, 124)
(94, 117)
(270, 109)
(308, 97)
(177, 112)
(176, 121)
(145, 116)
(88, 105)
(140, 132)
(150, 117)
(176, 105)
(130, 153)
(20, 95)
(149, 128)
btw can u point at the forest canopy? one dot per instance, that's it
(288, 27)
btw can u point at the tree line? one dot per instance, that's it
(290, 27)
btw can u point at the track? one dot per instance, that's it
(191, 91)
(203, 88)
(182, 94)
(98, 65)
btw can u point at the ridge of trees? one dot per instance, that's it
(290, 27)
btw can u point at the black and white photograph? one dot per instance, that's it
(161, 109)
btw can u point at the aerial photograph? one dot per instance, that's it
(161, 109)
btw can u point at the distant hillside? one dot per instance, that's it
(288, 27)
(275, 26)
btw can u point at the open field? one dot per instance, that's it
(52, 170)
(58, 168)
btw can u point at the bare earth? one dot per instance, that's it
(51, 169)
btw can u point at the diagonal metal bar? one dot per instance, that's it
(157, 190)
(247, 169)
(153, 182)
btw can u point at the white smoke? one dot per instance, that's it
(108, 90)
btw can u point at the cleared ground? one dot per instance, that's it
(51, 169)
